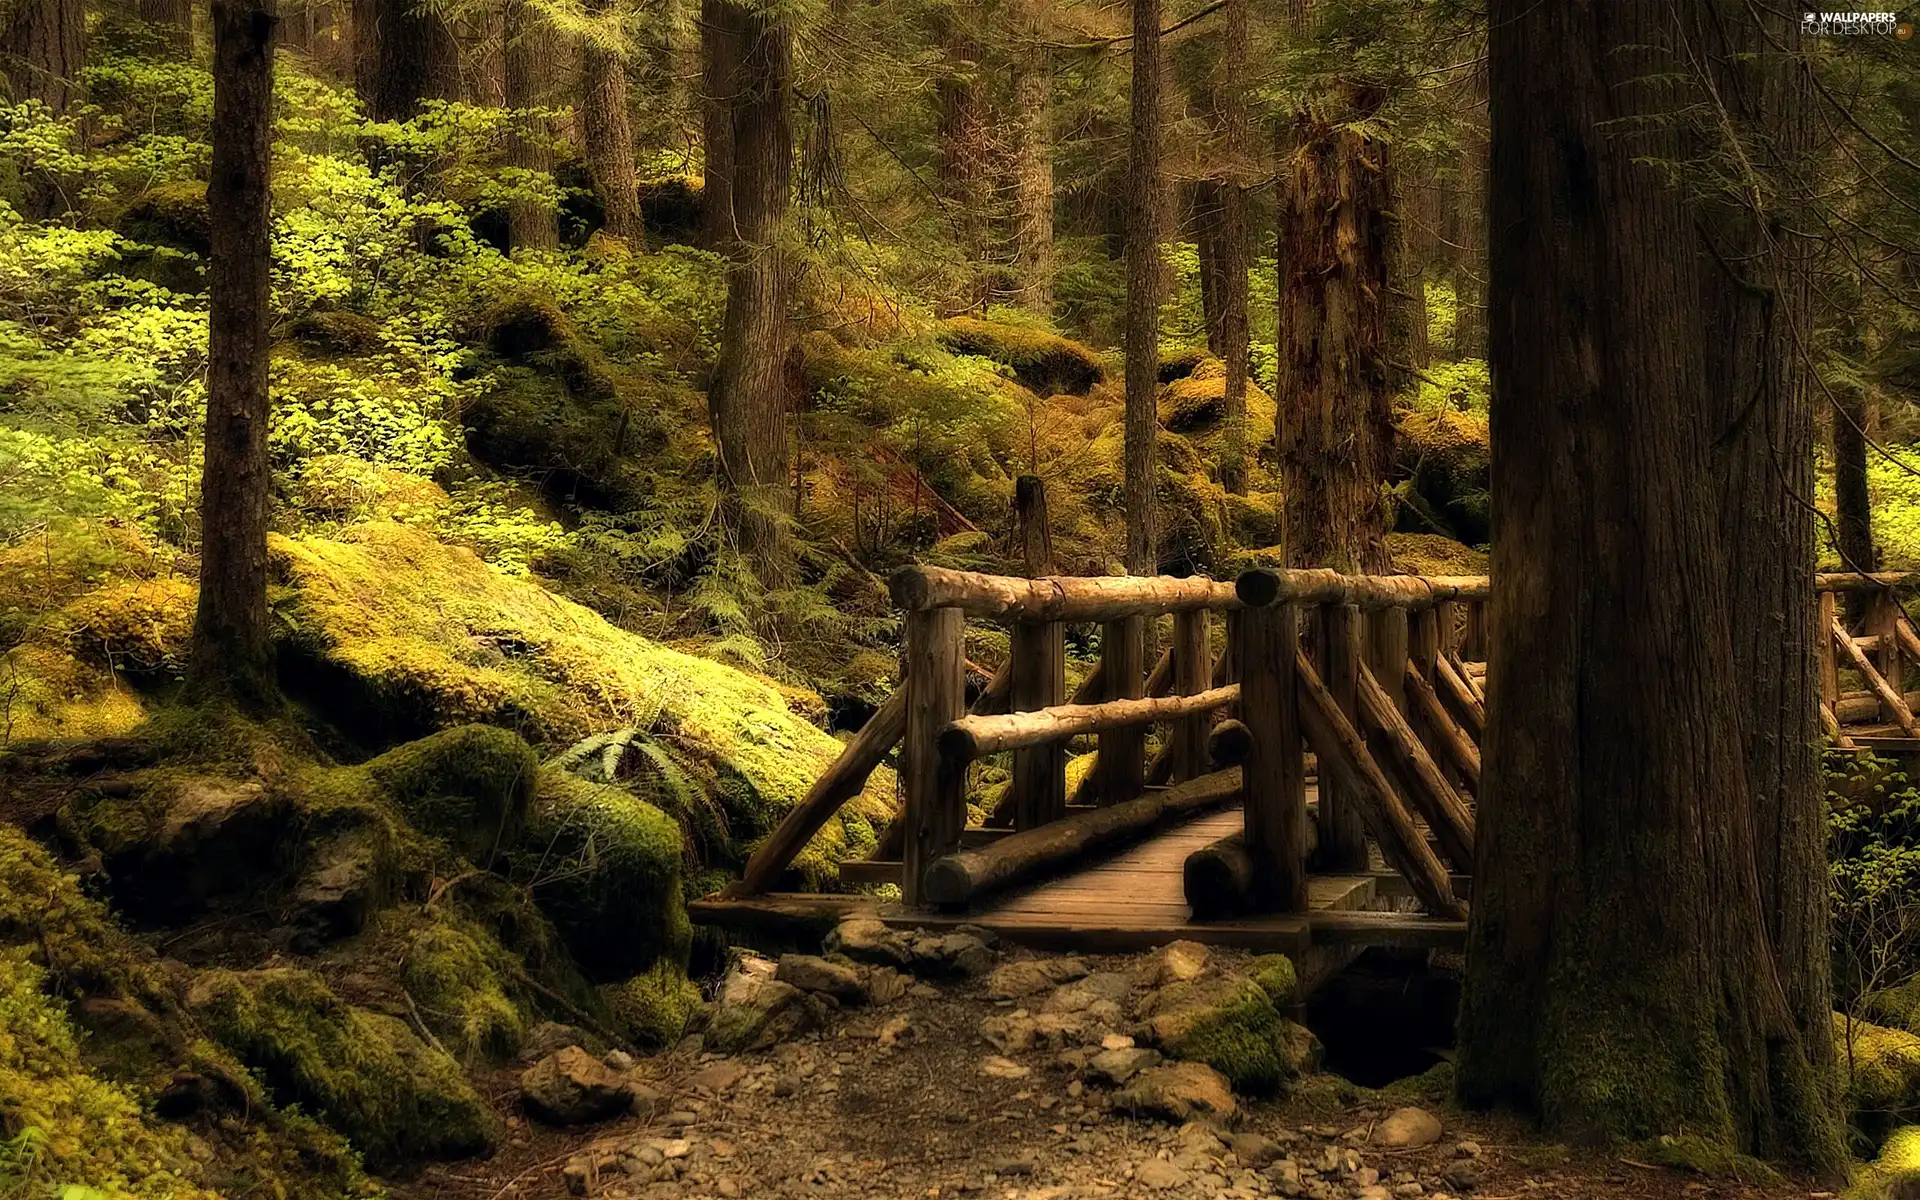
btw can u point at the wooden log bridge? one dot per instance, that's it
(1298, 766)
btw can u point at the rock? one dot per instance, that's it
(1083, 995)
(890, 1034)
(1172, 963)
(1284, 1175)
(1159, 1175)
(571, 1087)
(842, 981)
(1463, 1177)
(754, 1011)
(643, 1099)
(1466, 1149)
(618, 1060)
(717, 1077)
(1230, 1023)
(347, 880)
(1115, 1067)
(866, 940)
(951, 955)
(1011, 1033)
(996, 1067)
(1254, 1150)
(1407, 1129)
(1018, 980)
(1116, 1041)
(1376, 1192)
(1178, 1092)
(885, 985)
(576, 1173)
(549, 1037)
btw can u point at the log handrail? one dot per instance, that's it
(974, 737)
(1854, 581)
(1056, 597)
(1264, 586)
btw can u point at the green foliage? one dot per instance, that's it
(1874, 885)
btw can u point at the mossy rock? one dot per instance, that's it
(54, 695)
(1044, 362)
(453, 972)
(1895, 1007)
(1432, 554)
(1276, 977)
(1444, 457)
(1178, 362)
(1880, 1068)
(673, 207)
(656, 1006)
(470, 786)
(605, 867)
(1231, 1024)
(140, 626)
(404, 635)
(1895, 1173)
(364, 1074)
(170, 214)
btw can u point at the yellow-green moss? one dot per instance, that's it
(435, 637)
(471, 785)
(605, 866)
(1275, 975)
(340, 487)
(1880, 1068)
(1687, 1152)
(1432, 1086)
(1231, 1025)
(1895, 1172)
(1434, 554)
(363, 1073)
(655, 1006)
(48, 693)
(1444, 457)
(1043, 361)
(141, 625)
(452, 973)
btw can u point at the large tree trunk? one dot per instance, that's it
(719, 48)
(747, 397)
(527, 67)
(231, 655)
(1334, 421)
(1620, 980)
(966, 153)
(43, 45)
(1143, 293)
(606, 137)
(404, 52)
(1033, 159)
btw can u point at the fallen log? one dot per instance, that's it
(968, 874)
(1344, 755)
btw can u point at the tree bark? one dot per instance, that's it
(965, 151)
(1853, 501)
(43, 45)
(719, 50)
(1334, 419)
(605, 133)
(404, 53)
(175, 17)
(1620, 980)
(1234, 252)
(231, 654)
(747, 398)
(527, 69)
(1143, 294)
(1033, 159)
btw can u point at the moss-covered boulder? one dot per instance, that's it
(656, 1006)
(54, 694)
(1442, 458)
(407, 635)
(605, 866)
(1895, 1173)
(363, 1073)
(470, 786)
(1231, 1024)
(455, 975)
(171, 235)
(1045, 362)
(1433, 554)
(1881, 1072)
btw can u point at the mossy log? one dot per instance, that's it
(964, 876)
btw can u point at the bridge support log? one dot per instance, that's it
(1448, 738)
(964, 876)
(935, 783)
(1192, 668)
(1276, 809)
(1446, 814)
(1039, 783)
(1120, 769)
(1342, 834)
(1462, 699)
(1344, 754)
(974, 737)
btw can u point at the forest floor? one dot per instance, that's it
(910, 1100)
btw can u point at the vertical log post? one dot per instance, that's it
(1387, 643)
(1473, 647)
(1829, 661)
(1192, 672)
(1447, 615)
(1343, 834)
(936, 789)
(1275, 769)
(1039, 661)
(1121, 769)
(1884, 622)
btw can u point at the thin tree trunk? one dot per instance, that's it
(1470, 238)
(404, 53)
(1143, 293)
(1620, 981)
(1206, 210)
(527, 67)
(606, 136)
(747, 397)
(43, 45)
(1033, 160)
(1234, 254)
(965, 153)
(231, 655)
(1853, 501)
(1334, 421)
(719, 50)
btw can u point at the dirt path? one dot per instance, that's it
(900, 1101)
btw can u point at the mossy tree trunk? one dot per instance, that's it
(1621, 981)
(404, 52)
(231, 655)
(527, 69)
(747, 397)
(1032, 158)
(606, 136)
(1143, 293)
(719, 48)
(43, 45)
(1334, 420)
